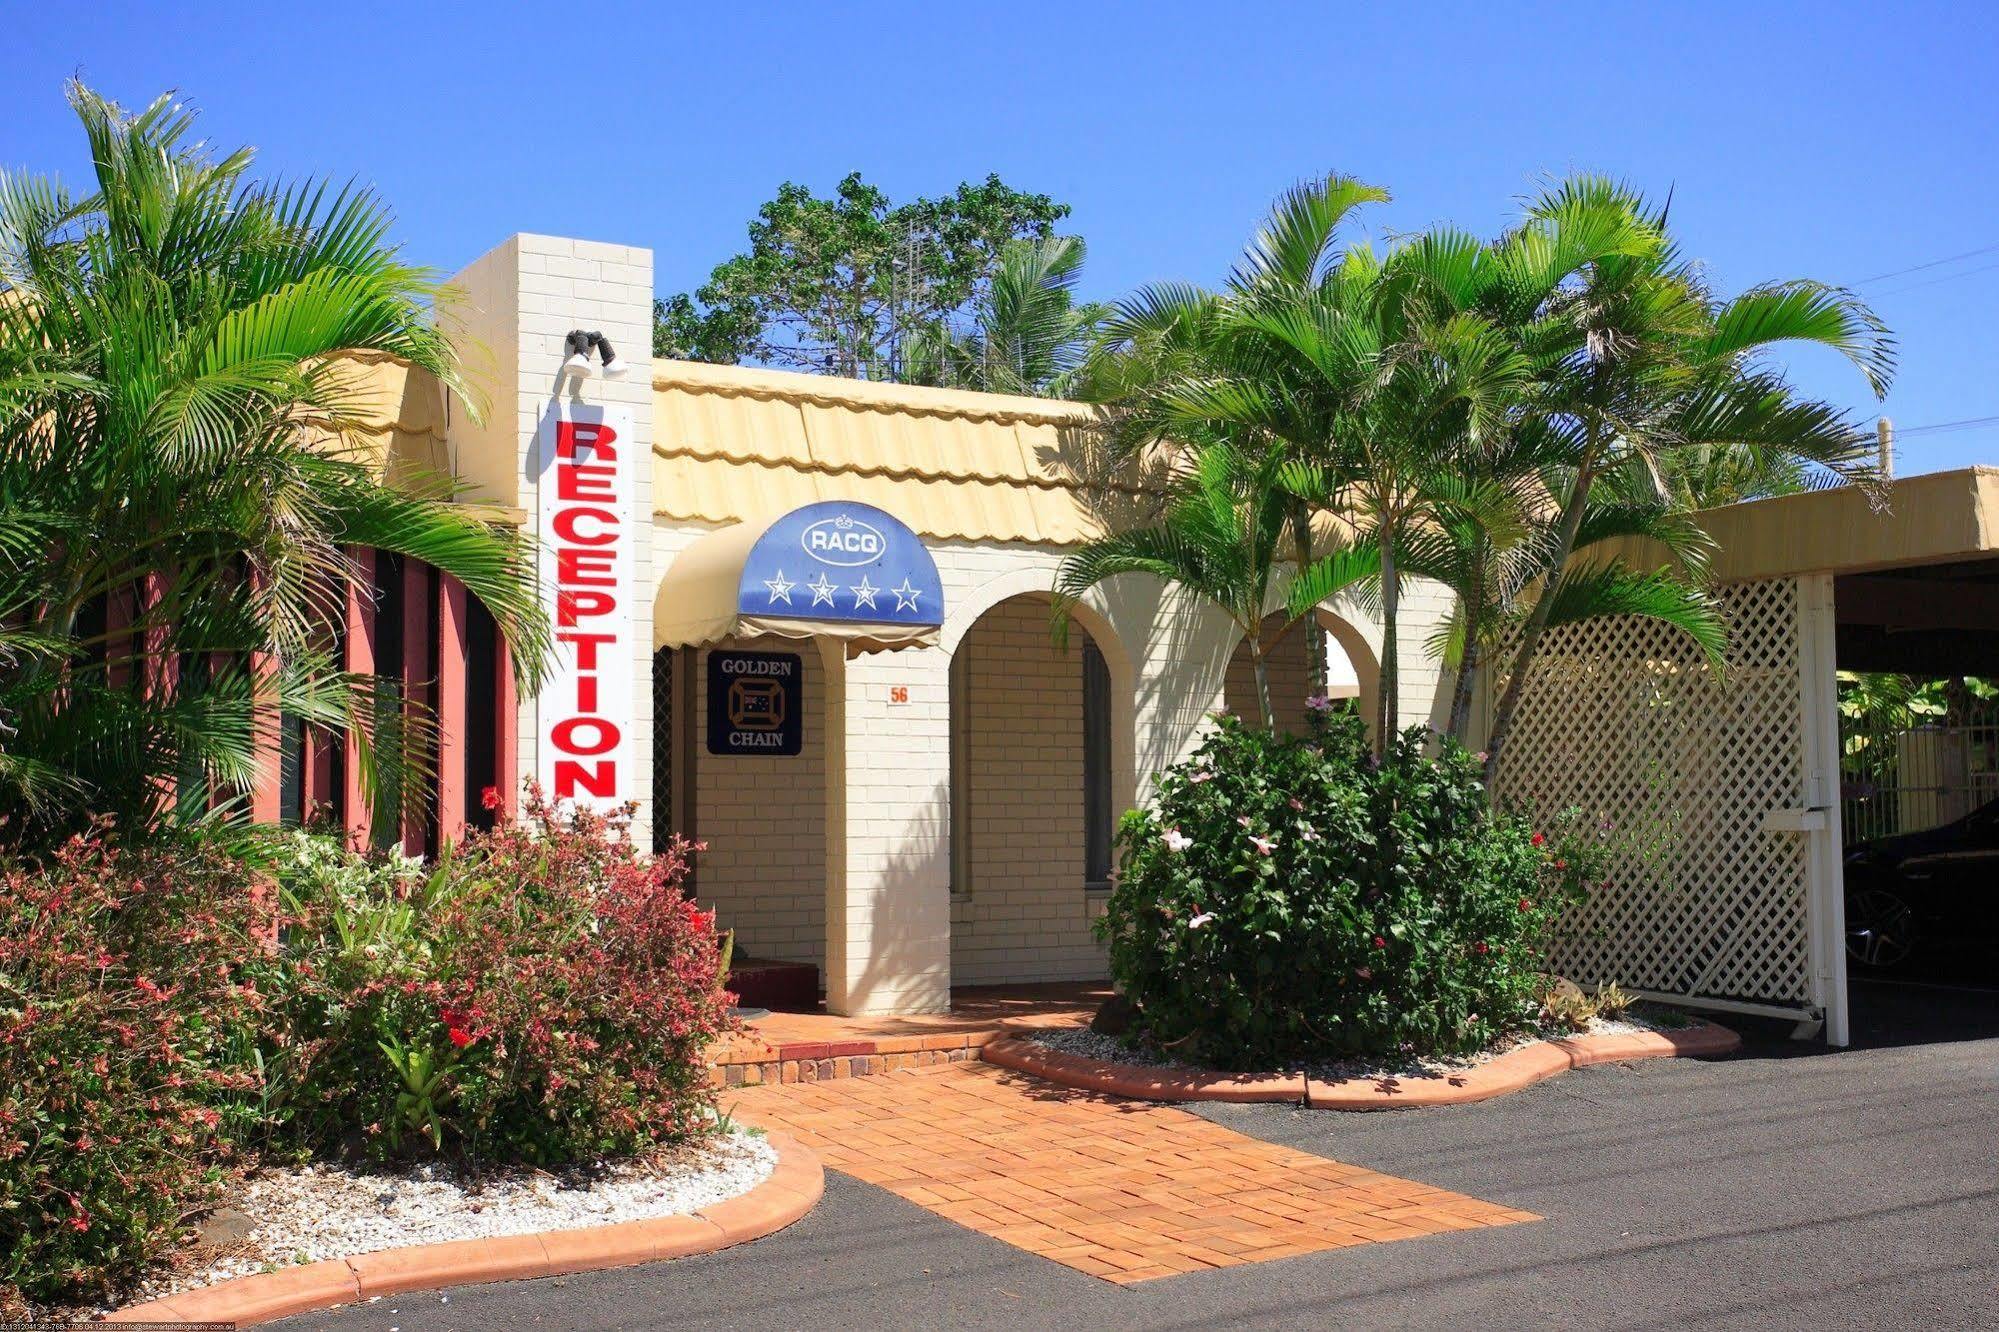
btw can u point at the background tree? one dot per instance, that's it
(844, 285)
(1699, 477)
(1025, 333)
(172, 561)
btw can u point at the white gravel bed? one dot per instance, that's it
(309, 1213)
(1095, 1045)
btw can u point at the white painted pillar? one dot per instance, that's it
(1825, 870)
(508, 313)
(888, 862)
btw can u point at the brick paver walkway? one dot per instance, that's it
(1124, 1190)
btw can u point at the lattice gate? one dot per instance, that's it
(1720, 794)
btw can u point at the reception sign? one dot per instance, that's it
(838, 562)
(586, 462)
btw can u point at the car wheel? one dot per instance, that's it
(1880, 929)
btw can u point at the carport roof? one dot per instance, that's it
(1928, 519)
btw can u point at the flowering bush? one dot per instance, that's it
(126, 993)
(1290, 898)
(543, 995)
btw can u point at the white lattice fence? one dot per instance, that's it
(1623, 719)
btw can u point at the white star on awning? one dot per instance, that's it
(905, 596)
(780, 590)
(864, 593)
(822, 589)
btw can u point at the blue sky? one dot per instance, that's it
(1829, 140)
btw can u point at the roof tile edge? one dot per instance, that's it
(735, 381)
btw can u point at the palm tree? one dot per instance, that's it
(1637, 364)
(171, 543)
(1028, 335)
(1171, 333)
(1221, 539)
(1320, 357)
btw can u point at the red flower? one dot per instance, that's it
(459, 1037)
(1380, 942)
(1526, 904)
(1480, 948)
(490, 797)
(1538, 839)
(80, 1222)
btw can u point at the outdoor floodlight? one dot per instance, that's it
(580, 344)
(577, 362)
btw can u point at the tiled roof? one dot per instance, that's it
(403, 415)
(732, 443)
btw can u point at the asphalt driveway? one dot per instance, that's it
(1778, 1190)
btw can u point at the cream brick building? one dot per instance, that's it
(946, 817)
(939, 811)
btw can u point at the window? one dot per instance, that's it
(1096, 768)
(291, 770)
(960, 754)
(482, 715)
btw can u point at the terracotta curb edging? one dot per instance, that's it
(792, 1190)
(1496, 1077)
(1141, 1082)
(1522, 1068)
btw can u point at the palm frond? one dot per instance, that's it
(1598, 590)
(1295, 243)
(1330, 575)
(1833, 317)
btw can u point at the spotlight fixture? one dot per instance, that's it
(577, 362)
(580, 344)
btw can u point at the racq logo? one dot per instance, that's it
(842, 541)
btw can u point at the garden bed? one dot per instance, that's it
(1091, 1060)
(181, 1039)
(288, 1217)
(315, 1237)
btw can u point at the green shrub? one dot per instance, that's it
(125, 996)
(1285, 899)
(543, 995)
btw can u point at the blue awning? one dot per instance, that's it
(835, 569)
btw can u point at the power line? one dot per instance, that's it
(1931, 282)
(1942, 426)
(1934, 263)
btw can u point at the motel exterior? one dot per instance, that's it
(807, 621)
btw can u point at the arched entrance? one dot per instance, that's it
(1040, 772)
(1347, 662)
(756, 628)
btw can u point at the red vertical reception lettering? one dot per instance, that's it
(584, 741)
